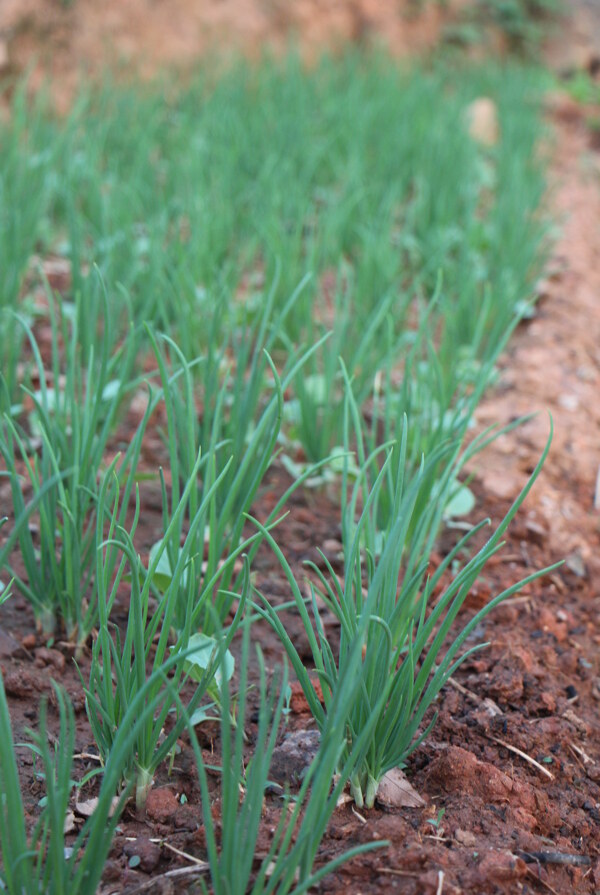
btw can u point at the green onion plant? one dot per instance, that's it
(207, 190)
(365, 342)
(289, 865)
(236, 445)
(120, 663)
(40, 860)
(29, 151)
(65, 439)
(406, 657)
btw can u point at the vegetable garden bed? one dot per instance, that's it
(281, 292)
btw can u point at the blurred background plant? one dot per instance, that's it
(522, 24)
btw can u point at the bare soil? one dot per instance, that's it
(66, 39)
(514, 760)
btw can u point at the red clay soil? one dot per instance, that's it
(514, 760)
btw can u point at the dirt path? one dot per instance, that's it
(553, 365)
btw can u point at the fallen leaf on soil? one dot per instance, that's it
(575, 563)
(69, 824)
(87, 808)
(396, 792)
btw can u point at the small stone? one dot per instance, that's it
(49, 657)
(569, 402)
(501, 865)
(465, 837)
(148, 853)
(291, 760)
(8, 645)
